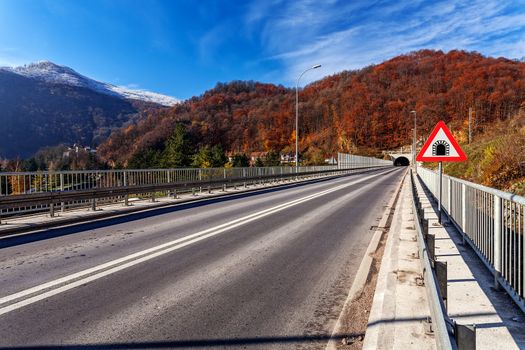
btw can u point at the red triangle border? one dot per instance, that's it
(441, 125)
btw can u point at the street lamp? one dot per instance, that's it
(414, 141)
(297, 114)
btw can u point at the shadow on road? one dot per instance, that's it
(197, 343)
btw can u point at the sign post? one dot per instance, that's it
(440, 190)
(441, 147)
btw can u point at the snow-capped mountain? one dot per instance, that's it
(52, 73)
(44, 104)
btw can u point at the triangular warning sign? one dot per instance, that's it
(441, 147)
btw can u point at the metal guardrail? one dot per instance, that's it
(437, 306)
(345, 160)
(492, 222)
(144, 182)
(26, 192)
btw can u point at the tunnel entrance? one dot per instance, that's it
(401, 161)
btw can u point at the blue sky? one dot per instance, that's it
(182, 48)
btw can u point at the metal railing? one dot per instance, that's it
(492, 221)
(345, 160)
(27, 192)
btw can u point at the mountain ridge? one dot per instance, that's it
(53, 73)
(363, 111)
(38, 112)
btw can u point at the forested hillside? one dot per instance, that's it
(365, 111)
(36, 114)
(496, 156)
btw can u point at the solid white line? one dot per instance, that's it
(141, 253)
(148, 254)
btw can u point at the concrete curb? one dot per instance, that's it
(365, 266)
(68, 222)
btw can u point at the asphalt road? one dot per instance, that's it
(266, 271)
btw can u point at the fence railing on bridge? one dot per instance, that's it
(20, 190)
(493, 223)
(345, 160)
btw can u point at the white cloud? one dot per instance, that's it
(348, 35)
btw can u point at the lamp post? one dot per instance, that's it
(297, 114)
(414, 142)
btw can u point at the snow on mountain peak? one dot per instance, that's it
(53, 73)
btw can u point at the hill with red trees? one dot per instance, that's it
(361, 111)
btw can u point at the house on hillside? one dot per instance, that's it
(76, 148)
(288, 157)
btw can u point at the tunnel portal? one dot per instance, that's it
(401, 161)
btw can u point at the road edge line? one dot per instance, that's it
(366, 264)
(88, 275)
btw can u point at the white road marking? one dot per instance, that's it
(74, 280)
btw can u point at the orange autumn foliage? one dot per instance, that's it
(349, 111)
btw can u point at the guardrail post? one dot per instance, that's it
(424, 226)
(431, 246)
(465, 335)
(126, 197)
(442, 277)
(497, 239)
(62, 204)
(168, 178)
(94, 204)
(421, 211)
(463, 211)
(52, 210)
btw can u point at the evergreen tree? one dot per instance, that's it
(210, 157)
(240, 161)
(218, 156)
(203, 158)
(258, 163)
(177, 152)
(272, 159)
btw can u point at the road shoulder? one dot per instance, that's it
(354, 315)
(400, 307)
